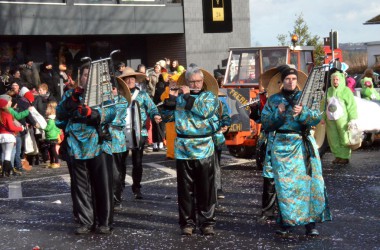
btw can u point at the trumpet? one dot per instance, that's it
(250, 103)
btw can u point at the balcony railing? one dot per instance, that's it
(94, 2)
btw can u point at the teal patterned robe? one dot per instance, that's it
(301, 198)
(82, 139)
(118, 143)
(147, 107)
(223, 120)
(199, 120)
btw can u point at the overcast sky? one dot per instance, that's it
(270, 18)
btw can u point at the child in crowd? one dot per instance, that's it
(8, 129)
(52, 132)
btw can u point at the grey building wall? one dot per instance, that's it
(69, 19)
(209, 49)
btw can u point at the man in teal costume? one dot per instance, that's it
(294, 158)
(91, 165)
(194, 112)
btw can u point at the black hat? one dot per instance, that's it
(285, 70)
(28, 59)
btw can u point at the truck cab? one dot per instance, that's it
(243, 82)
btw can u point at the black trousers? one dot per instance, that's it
(119, 172)
(269, 197)
(64, 154)
(53, 151)
(137, 169)
(158, 131)
(93, 190)
(218, 175)
(196, 191)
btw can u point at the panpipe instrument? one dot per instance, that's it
(98, 90)
(313, 91)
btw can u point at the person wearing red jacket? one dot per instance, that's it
(7, 135)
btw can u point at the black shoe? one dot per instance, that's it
(283, 231)
(137, 193)
(263, 219)
(187, 231)
(220, 194)
(83, 230)
(104, 230)
(310, 230)
(117, 207)
(208, 230)
(155, 149)
(312, 233)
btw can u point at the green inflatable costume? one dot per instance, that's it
(340, 110)
(368, 92)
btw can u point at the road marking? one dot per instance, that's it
(15, 187)
(66, 178)
(15, 190)
(167, 170)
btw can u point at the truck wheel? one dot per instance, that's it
(242, 151)
(368, 139)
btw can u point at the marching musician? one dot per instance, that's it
(294, 158)
(117, 145)
(224, 120)
(91, 167)
(147, 107)
(268, 201)
(194, 111)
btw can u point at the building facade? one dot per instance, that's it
(63, 31)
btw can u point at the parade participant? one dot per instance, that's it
(193, 112)
(294, 157)
(129, 77)
(224, 121)
(368, 91)
(91, 168)
(340, 110)
(117, 146)
(268, 201)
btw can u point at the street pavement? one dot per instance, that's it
(36, 210)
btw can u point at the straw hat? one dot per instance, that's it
(209, 82)
(62, 67)
(128, 71)
(271, 81)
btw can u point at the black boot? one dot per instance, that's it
(268, 201)
(7, 167)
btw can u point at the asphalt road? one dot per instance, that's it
(35, 210)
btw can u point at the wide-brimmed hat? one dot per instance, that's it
(62, 67)
(209, 82)
(124, 91)
(128, 71)
(272, 83)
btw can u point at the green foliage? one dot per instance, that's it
(301, 29)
